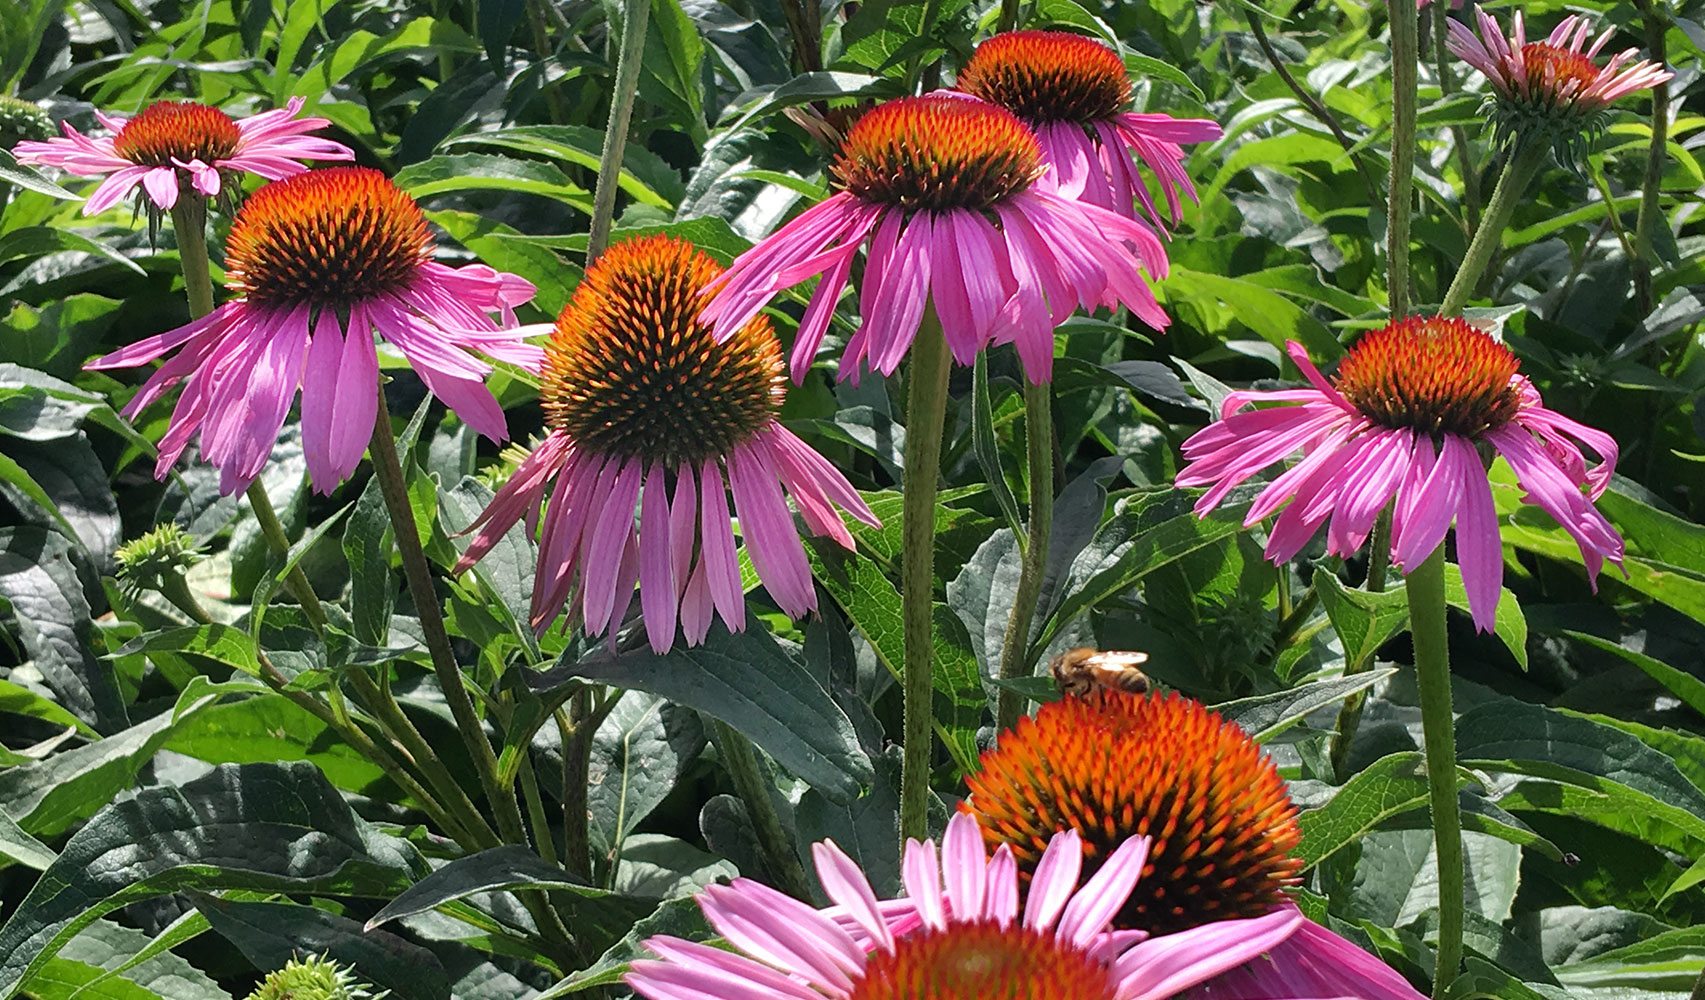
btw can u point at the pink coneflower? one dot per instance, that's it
(1404, 419)
(945, 189)
(1551, 85)
(959, 933)
(1220, 826)
(173, 146)
(1075, 94)
(648, 412)
(321, 261)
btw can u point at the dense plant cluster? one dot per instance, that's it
(895, 500)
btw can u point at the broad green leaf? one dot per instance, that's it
(640, 751)
(20, 847)
(490, 172)
(36, 241)
(1265, 312)
(1267, 715)
(52, 618)
(1364, 620)
(983, 442)
(678, 917)
(102, 963)
(1690, 689)
(645, 176)
(749, 681)
(271, 827)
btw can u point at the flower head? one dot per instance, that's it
(154, 560)
(314, 978)
(22, 120)
(1221, 828)
(946, 192)
(648, 411)
(959, 933)
(1076, 94)
(1404, 420)
(1551, 90)
(173, 147)
(320, 261)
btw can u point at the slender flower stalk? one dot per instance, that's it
(1657, 24)
(1521, 166)
(1425, 589)
(755, 789)
(1039, 458)
(958, 933)
(636, 15)
(649, 415)
(1405, 63)
(926, 419)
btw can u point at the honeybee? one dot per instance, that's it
(1080, 671)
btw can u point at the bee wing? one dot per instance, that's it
(1118, 659)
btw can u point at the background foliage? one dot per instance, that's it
(170, 828)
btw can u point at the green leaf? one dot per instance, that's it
(490, 172)
(1268, 314)
(1509, 624)
(497, 20)
(52, 620)
(13, 172)
(271, 827)
(1391, 785)
(639, 753)
(1516, 737)
(1690, 689)
(509, 867)
(367, 544)
(749, 681)
(1364, 620)
(1267, 715)
(18, 846)
(645, 177)
(823, 85)
(108, 961)
(678, 917)
(983, 443)
(38, 241)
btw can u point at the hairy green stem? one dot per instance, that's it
(926, 418)
(387, 467)
(1518, 171)
(1039, 454)
(296, 581)
(1657, 154)
(575, 728)
(754, 787)
(1314, 105)
(1426, 593)
(635, 14)
(1405, 62)
(189, 225)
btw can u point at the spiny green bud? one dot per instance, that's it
(20, 119)
(313, 978)
(508, 460)
(162, 554)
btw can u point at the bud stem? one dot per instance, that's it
(926, 416)
(1405, 61)
(635, 14)
(1426, 593)
(775, 847)
(1015, 645)
(1524, 162)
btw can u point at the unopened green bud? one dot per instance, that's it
(20, 119)
(313, 978)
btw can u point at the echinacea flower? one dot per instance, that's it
(1075, 94)
(959, 933)
(176, 146)
(1112, 765)
(648, 412)
(321, 261)
(945, 190)
(1550, 90)
(1404, 418)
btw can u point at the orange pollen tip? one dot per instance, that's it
(182, 130)
(630, 369)
(1433, 374)
(938, 152)
(1049, 76)
(1550, 67)
(326, 237)
(978, 961)
(1113, 765)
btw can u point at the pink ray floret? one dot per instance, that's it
(784, 949)
(305, 320)
(1402, 425)
(1075, 93)
(942, 194)
(174, 146)
(1557, 72)
(654, 426)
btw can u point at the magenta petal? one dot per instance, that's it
(1479, 550)
(658, 596)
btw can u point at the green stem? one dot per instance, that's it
(296, 581)
(1039, 453)
(575, 728)
(1657, 154)
(543, 839)
(926, 418)
(1521, 167)
(387, 467)
(1309, 101)
(1405, 61)
(176, 590)
(1009, 15)
(189, 225)
(754, 787)
(635, 14)
(1426, 592)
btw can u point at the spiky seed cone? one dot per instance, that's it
(177, 130)
(1114, 765)
(1432, 373)
(1048, 76)
(982, 961)
(937, 152)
